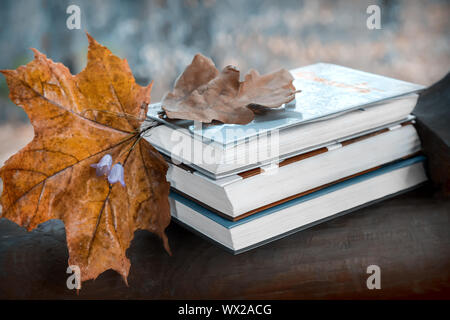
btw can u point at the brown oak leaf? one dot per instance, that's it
(204, 94)
(78, 119)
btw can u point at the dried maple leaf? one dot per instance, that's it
(204, 94)
(77, 120)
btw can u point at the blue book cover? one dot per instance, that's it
(231, 224)
(327, 90)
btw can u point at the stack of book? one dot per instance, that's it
(346, 141)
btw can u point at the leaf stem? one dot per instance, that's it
(139, 137)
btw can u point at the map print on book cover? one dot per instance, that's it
(327, 90)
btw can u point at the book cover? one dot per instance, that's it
(327, 90)
(300, 213)
(231, 224)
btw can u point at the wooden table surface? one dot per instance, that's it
(407, 237)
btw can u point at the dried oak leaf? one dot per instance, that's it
(204, 94)
(77, 120)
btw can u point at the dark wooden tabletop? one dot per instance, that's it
(408, 237)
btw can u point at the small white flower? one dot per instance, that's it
(103, 167)
(116, 174)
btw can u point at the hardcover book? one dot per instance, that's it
(347, 140)
(327, 90)
(335, 104)
(245, 193)
(301, 212)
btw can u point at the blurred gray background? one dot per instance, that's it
(160, 37)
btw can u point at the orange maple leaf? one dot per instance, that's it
(77, 120)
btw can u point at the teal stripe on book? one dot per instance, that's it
(230, 224)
